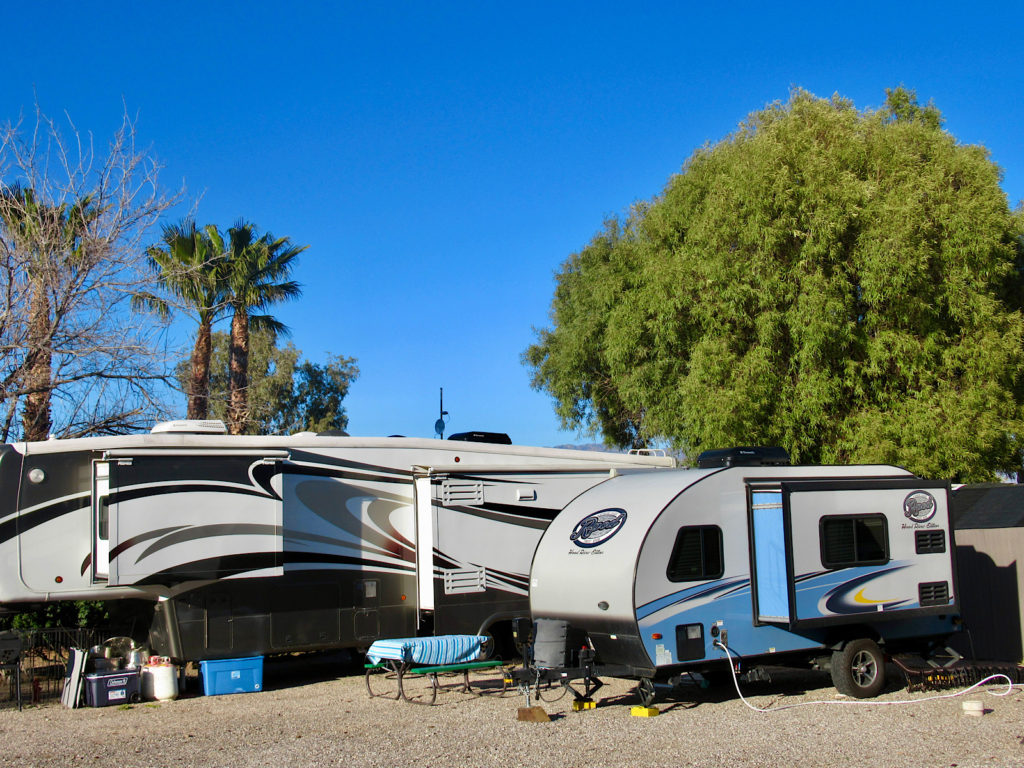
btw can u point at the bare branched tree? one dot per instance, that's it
(74, 358)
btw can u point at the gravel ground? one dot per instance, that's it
(305, 718)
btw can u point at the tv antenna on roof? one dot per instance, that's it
(440, 423)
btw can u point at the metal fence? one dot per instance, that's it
(44, 658)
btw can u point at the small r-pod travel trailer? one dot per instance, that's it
(662, 571)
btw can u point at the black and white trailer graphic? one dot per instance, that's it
(252, 545)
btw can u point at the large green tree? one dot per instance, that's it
(844, 283)
(286, 394)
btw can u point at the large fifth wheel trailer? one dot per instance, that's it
(254, 545)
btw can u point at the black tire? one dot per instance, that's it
(489, 648)
(858, 669)
(500, 644)
(645, 691)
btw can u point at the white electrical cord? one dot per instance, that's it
(736, 683)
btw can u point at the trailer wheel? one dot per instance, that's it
(645, 691)
(858, 670)
(499, 643)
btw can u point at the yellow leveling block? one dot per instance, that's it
(533, 715)
(644, 711)
(580, 704)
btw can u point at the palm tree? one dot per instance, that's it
(257, 272)
(191, 264)
(52, 238)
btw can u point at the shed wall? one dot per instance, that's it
(991, 593)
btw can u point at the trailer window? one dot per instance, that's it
(851, 540)
(103, 520)
(697, 554)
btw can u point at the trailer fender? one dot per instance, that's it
(839, 637)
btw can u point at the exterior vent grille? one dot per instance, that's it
(463, 581)
(928, 542)
(933, 593)
(462, 492)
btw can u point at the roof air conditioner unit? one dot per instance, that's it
(191, 427)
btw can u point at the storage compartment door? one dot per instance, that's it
(769, 569)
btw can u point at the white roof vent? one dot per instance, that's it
(191, 427)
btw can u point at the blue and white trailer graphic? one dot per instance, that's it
(777, 564)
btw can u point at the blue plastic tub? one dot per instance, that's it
(232, 676)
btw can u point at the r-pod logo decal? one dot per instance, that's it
(597, 527)
(919, 506)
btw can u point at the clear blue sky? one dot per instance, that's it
(442, 159)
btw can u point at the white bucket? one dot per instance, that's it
(974, 708)
(160, 682)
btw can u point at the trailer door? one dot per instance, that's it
(100, 521)
(426, 535)
(769, 571)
